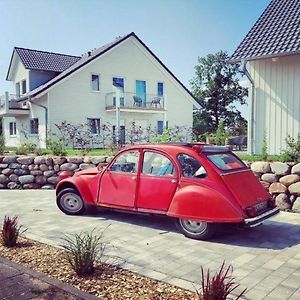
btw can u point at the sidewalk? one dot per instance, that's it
(22, 283)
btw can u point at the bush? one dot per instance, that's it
(26, 148)
(56, 146)
(220, 286)
(10, 231)
(221, 135)
(292, 152)
(2, 143)
(264, 149)
(82, 250)
(166, 136)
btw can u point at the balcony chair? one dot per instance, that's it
(155, 102)
(137, 101)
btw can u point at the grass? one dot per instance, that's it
(248, 157)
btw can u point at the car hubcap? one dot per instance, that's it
(71, 202)
(193, 227)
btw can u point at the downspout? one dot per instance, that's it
(251, 120)
(46, 114)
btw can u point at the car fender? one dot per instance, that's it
(203, 203)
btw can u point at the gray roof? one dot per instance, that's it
(276, 32)
(46, 61)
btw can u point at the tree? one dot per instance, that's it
(217, 89)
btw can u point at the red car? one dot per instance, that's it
(197, 185)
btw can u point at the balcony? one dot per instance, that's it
(130, 102)
(10, 107)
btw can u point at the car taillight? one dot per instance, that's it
(271, 203)
(251, 212)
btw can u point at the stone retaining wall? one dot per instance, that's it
(41, 172)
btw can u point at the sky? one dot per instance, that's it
(177, 31)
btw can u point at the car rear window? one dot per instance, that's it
(225, 161)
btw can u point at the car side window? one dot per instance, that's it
(157, 164)
(190, 166)
(126, 162)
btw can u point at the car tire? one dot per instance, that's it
(197, 230)
(70, 202)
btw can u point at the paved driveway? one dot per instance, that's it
(266, 259)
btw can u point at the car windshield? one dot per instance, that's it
(225, 161)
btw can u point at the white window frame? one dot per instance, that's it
(91, 82)
(30, 132)
(22, 82)
(14, 129)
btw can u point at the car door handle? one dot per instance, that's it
(174, 181)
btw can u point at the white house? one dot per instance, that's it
(270, 54)
(124, 76)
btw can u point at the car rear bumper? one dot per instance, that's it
(255, 221)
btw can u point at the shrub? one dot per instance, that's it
(2, 143)
(56, 146)
(82, 250)
(26, 148)
(10, 231)
(264, 149)
(166, 136)
(221, 135)
(220, 286)
(292, 152)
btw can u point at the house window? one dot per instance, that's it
(118, 82)
(160, 89)
(18, 89)
(94, 125)
(95, 82)
(12, 128)
(160, 127)
(34, 126)
(23, 86)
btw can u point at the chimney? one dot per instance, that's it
(89, 53)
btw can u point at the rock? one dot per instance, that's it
(13, 177)
(296, 205)
(26, 179)
(38, 160)
(41, 180)
(25, 167)
(87, 160)
(1, 158)
(36, 167)
(31, 167)
(49, 161)
(36, 172)
(44, 167)
(13, 186)
(280, 168)
(56, 168)
(283, 201)
(53, 180)
(260, 167)
(2, 186)
(14, 166)
(3, 166)
(108, 159)
(3, 179)
(269, 177)
(25, 160)
(294, 188)
(296, 169)
(265, 184)
(20, 172)
(48, 173)
(75, 160)
(98, 159)
(9, 159)
(59, 160)
(277, 188)
(68, 167)
(48, 187)
(7, 171)
(84, 166)
(289, 179)
(30, 186)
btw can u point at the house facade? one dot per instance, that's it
(119, 83)
(270, 54)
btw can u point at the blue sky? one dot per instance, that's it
(177, 31)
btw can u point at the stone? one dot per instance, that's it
(283, 201)
(3, 179)
(289, 179)
(296, 169)
(44, 167)
(14, 166)
(75, 160)
(59, 160)
(38, 160)
(85, 166)
(1, 158)
(56, 168)
(13, 177)
(260, 167)
(36, 167)
(13, 186)
(269, 177)
(7, 171)
(25, 160)
(3, 166)
(36, 172)
(277, 188)
(48, 187)
(31, 186)
(294, 188)
(9, 159)
(296, 205)
(41, 180)
(280, 168)
(25, 167)
(87, 160)
(53, 180)
(265, 184)
(31, 167)
(49, 161)
(98, 159)
(20, 172)
(68, 167)
(109, 159)
(2, 186)
(48, 173)
(26, 179)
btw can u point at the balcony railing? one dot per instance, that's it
(10, 106)
(131, 101)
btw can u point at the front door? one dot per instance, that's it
(118, 183)
(140, 87)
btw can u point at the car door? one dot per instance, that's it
(118, 183)
(157, 183)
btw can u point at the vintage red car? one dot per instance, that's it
(197, 185)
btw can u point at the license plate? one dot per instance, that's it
(261, 206)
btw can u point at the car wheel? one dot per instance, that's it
(70, 202)
(197, 230)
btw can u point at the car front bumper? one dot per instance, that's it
(255, 221)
